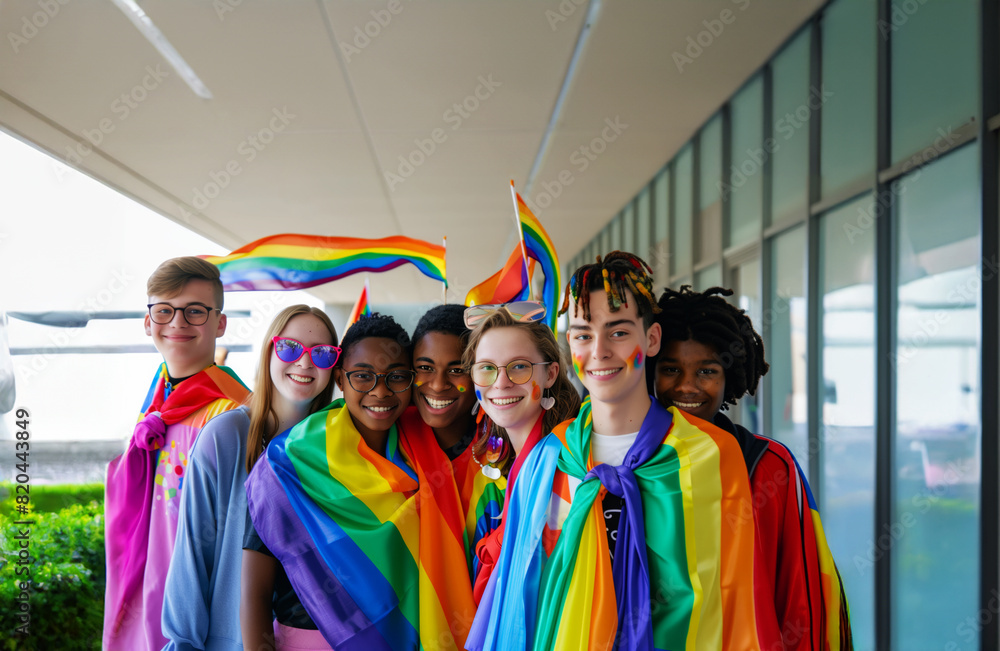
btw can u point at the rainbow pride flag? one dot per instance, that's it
(291, 261)
(539, 246)
(361, 308)
(682, 576)
(373, 544)
(481, 497)
(510, 284)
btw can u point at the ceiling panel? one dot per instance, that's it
(315, 101)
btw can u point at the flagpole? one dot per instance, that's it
(444, 283)
(520, 237)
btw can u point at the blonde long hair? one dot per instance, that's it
(263, 418)
(567, 399)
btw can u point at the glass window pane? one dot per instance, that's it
(748, 157)
(937, 438)
(847, 95)
(708, 277)
(745, 283)
(661, 226)
(847, 434)
(790, 158)
(644, 226)
(785, 341)
(680, 247)
(934, 45)
(615, 231)
(628, 229)
(710, 163)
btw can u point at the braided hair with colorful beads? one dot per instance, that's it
(617, 272)
(710, 319)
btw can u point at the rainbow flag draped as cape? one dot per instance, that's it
(539, 246)
(291, 261)
(683, 571)
(481, 497)
(373, 546)
(810, 593)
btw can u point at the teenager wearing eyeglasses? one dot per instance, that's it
(347, 501)
(631, 530)
(521, 385)
(201, 608)
(143, 487)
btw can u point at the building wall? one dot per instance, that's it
(847, 193)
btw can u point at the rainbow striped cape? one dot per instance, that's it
(809, 595)
(683, 571)
(292, 261)
(481, 498)
(372, 544)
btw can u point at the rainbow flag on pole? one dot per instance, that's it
(539, 246)
(291, 261)
(361, 307)
(510, 284)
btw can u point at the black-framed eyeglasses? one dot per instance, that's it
(519, 371)
(194, 313)
(396, 381)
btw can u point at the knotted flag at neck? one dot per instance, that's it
(130, 485)
(683, 573)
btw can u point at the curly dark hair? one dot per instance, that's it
(614, 274)
(374, 325)
(448, 319)
(709, 319)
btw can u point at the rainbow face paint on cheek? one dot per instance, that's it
(578, 367)
(461, 389)
(536, 391)
(636, 358)
(419, 383)
(479, 396)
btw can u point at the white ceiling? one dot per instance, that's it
(349, 114)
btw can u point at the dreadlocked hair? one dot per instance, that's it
(617, 272)
(709, 319)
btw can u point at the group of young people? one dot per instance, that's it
(459, 494)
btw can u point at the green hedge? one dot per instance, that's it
(50, 498)
(67, 579)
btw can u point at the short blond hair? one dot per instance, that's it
(172, 275)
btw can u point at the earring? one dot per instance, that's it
(497, 447)
(547, 401)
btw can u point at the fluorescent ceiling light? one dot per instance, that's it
(153, 34)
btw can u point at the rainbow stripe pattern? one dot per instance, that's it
(290, 261)
(682, 577)
(539, 246)
(831, 621)
(481, 498)
(372, 544)
(361, 308)
(510, 284)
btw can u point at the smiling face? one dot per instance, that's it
(610, 350)
(375, 411)
(298, 383)
(514, 407)
(690, 377)
(443, 390)
(187, 349)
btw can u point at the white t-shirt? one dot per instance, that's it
(611, 449)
